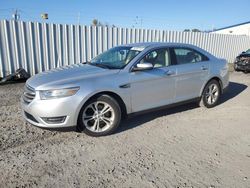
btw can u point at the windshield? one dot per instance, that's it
(116, 58)
(248, 51)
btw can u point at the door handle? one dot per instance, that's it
(204, 68)
(125, 86)
(169, 73)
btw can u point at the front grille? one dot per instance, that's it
(29, 94)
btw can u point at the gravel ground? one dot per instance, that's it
(186, 146)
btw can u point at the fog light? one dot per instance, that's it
(54, 120)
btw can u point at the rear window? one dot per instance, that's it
(187, 55)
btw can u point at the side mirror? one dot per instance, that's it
(243, 52)
(143, 66)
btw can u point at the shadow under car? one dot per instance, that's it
(233, 90)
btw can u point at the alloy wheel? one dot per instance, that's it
(98, 116)
(212, 94)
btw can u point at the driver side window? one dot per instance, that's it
(158, 58)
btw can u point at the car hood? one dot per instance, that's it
(243, 55)
(70, 75)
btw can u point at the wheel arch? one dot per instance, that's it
(214, 78)
(114, 95)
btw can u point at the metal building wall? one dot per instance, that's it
(38, 47)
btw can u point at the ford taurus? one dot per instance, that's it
(95, 95)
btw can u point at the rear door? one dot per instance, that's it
(192, 70)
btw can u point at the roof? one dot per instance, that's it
(168, 44)
(155, 44)
(232, 26)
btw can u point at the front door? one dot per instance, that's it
(155, 87)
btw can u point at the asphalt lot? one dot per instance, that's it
(185, 146)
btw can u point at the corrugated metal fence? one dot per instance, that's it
(41, 46)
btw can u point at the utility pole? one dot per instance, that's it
(16, 15)
(137, 22)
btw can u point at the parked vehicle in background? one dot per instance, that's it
(242, 62)
(121, 81)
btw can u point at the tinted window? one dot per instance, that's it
(186, 55)
(159, 58)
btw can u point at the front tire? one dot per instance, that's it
(236, 67)
(211, 94)
(100, 116)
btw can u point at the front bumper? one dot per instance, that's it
(242, 66)
(35, 111)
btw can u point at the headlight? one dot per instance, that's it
(58, 93)
(237, 59)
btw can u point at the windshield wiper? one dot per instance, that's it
(100, 65)
(105, 66)
(86, 62)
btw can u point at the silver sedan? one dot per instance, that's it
(96, 95)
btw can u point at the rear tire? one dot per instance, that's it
(100, 116)
(211, 94)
